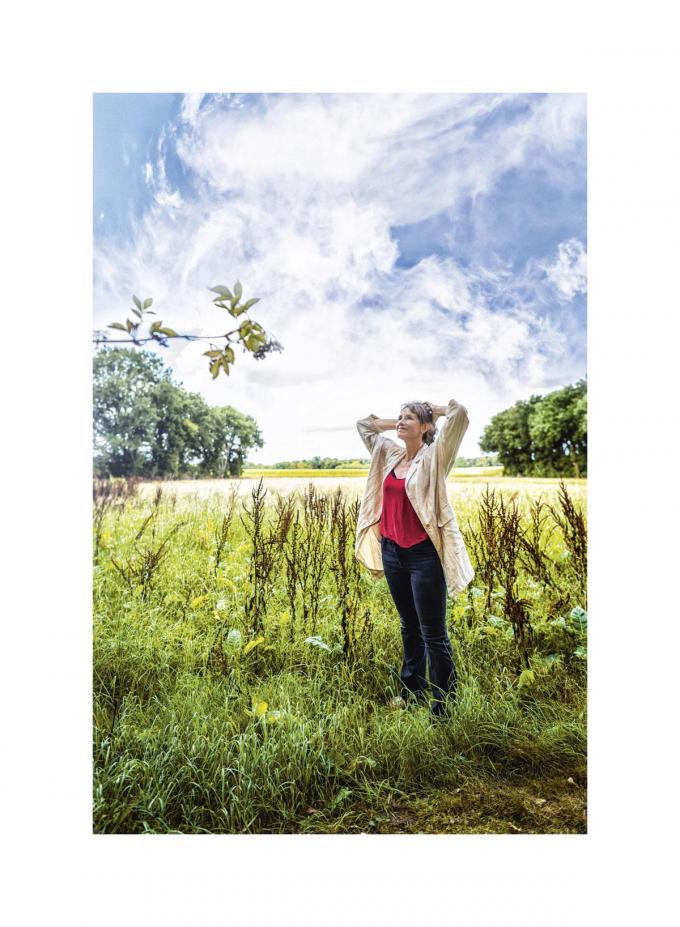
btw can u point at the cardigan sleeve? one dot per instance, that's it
(370, 435)
(451, 435)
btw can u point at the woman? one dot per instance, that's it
(407, 531)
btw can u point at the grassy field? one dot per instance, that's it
(469, 485)
(243, 667)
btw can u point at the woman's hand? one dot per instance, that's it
(436, 411)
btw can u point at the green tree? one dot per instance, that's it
(225, 438)
(147, 425)
(509, 436)
(179, 417)
(558, 430)
(125, 411)
(544, 436)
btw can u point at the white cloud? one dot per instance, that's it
(191, 103)
(296, 201)
(166, 198)
(567, 272)
(413, 153)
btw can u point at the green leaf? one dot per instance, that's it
(544, 664)
(137, 313)
(579, 617)
(245, 328)
(527, 678)
(238, 290)
(251, 302)
(118, 325)
(229, 354)
(223, 291)
(212, 354)
(317, 642)
(147, 303)
(170, 332)
(559, 622)
(215, 367)
(251, 644)
(129, 325)
(155, 326)
(496, 621)
(137, 302)
(253, 342)
(341, 797)
(234, 639)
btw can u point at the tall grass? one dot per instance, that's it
(243, 684)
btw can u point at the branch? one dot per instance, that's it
(250, 334)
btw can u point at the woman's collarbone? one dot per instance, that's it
(403, 468)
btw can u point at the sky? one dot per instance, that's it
(406, 246)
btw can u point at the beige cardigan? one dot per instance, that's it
(426, 489)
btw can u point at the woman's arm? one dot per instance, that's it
(451, 432)
(369, 429)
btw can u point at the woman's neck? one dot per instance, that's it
(412, 448)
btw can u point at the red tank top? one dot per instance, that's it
(399, 520)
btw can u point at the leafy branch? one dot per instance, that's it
(251, 335)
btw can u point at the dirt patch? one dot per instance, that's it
(555, 805)
(537, 806)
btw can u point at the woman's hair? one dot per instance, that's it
(423, 413)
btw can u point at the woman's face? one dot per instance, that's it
(409, 425)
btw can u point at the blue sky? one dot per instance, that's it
(403, 246)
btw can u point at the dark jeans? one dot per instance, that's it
(416, 580)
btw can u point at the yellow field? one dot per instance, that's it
(460, 486)
(270, 473)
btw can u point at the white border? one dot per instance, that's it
(622, 57)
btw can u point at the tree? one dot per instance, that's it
(124, 410)
(147, 425)
(508, 434)
(226, 438)
(558, 431)
(546, 436)
(179, 418)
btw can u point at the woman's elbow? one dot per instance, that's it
(459, 409)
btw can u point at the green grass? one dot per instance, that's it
(291, 738)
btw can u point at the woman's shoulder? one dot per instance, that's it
(385, 445)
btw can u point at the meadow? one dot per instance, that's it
(243, 666)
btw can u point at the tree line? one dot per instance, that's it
(320, 463)
(335, 463)
(148, 425)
